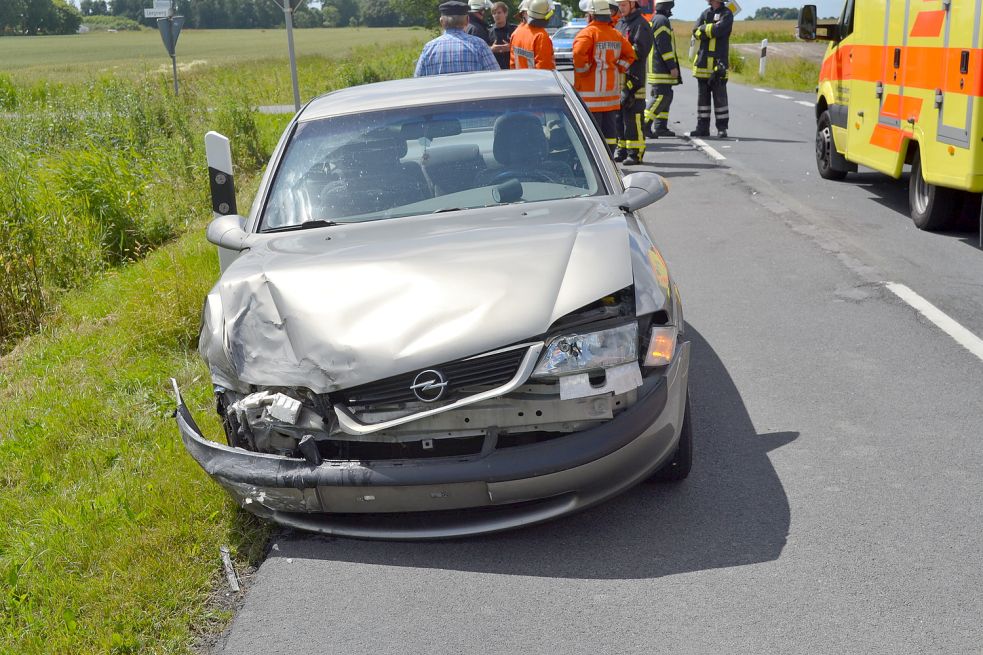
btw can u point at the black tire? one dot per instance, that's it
(826, 151)
(679, 466)
(932, 207)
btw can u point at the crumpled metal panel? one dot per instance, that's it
(332, 308)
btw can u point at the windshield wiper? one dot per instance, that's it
(302, 226)
(448, 209)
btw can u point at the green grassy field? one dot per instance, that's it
(82, 57)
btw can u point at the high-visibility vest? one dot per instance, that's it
(601, 55)
(531, 48)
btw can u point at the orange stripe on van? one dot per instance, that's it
(923, 67)
(888, 137)
(903, 108)
(928, 23)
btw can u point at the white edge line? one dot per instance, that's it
(963, 337)
(702, 145)
(805, 103)
(777, 95)
(763, 90)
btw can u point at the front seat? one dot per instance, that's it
(371, 178)
(520, 146)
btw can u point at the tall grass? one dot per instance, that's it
(94, 175)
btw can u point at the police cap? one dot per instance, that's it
(453, 8)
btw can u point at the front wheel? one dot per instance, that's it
(932, 207)
(826, 150)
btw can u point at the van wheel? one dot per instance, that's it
(679, 466)
(826, 150)
(932, 207)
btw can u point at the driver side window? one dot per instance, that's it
(846, 20)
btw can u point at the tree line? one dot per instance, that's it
(62, 17)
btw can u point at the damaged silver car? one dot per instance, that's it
(444, 315)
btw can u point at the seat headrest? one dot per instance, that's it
(371, 152)
(519, 140)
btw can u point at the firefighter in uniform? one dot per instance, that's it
(631, 139)
(601, 55)
(663, 71)
(476, 20)
(532, 46)
(712, 31)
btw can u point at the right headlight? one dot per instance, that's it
(577, 353)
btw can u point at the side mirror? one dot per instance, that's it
(641, 190)
(228, 232)
(807, 23)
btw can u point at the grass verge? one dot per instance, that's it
(111, 532)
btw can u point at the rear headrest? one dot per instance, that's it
(371, 152)
(519, 140)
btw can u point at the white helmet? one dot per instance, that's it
(523, 6)
(539, 9)
(597, 7)
(479, 5)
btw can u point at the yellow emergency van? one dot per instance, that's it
(901, 84)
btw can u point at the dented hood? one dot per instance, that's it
(336, 307)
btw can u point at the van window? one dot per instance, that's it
(846, 20)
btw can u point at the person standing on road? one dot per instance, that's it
(600, 56)
(501, 33)
(631, 140)
(712, 30)
(663, 71)
(476, 20)
(454, 51)
(532, 47)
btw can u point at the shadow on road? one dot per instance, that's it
(893, 194)
(731, 511)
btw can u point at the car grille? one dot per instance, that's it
(461, 376)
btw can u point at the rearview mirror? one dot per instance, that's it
(228, 232)
(807, 23)
(641, 190)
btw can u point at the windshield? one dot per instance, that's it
(422, 160)
(567, 33)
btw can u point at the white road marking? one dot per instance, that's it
(763, 90)
(963, 337)
(805, 103)
(702, 145)
(777, 95)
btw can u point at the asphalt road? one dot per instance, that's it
(835, 500)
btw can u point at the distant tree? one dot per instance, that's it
(11, 12)
(777, 13)
(94, 8)
(378, 13)
(330, 16)
(39, 17)
(419, 12)
(342, 11)
(308, 17)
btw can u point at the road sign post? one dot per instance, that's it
(169, 26)
(288, 13)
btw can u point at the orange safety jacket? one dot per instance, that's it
(601, 55)
(531, 48)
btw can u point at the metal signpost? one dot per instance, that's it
(170, 28)
(288, 16)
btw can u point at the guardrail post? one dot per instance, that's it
(764, 57)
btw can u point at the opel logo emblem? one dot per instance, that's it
(429, 386)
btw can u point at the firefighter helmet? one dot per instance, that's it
(479, 5)
(540, 9)
(665, 4)
(597, 7)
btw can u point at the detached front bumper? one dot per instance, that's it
(458, 496)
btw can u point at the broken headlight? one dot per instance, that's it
(577, 353)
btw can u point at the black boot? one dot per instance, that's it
(619, 155)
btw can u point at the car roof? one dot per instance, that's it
(430, 90)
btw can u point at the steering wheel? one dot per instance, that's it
(527, 175)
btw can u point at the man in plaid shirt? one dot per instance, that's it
(455, 51)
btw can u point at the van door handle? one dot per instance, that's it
(860, 114)
(897, 57)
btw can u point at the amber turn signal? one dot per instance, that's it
(662, 345)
